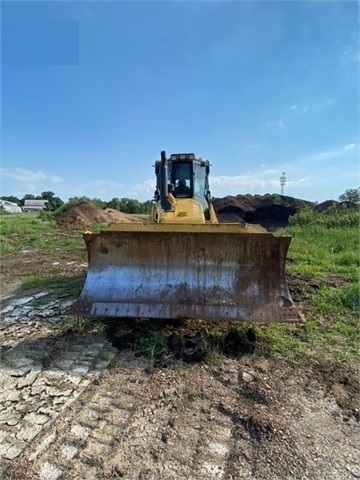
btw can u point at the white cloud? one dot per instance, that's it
(304, 108)
(276, 125)
(143, 190)
(29, 177)
(299, 108)
(249, 183)
(348, 55)
(241, 181)
(351, 146)
(297, 183)
(329, 154)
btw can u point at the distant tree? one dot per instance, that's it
(47, 195)
(147, 206)
(52, 202)
(351, 195)
(98, 202)
(27, 196)
(75, 200)
(114, 203)
(129, 205)
(133, 206)
(124, 205)
(11, 198)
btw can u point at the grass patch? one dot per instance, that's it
(330, 255)
(343, 300)
(24, 231)
(62, 287)
(319, 252)
(81, 324)
(153, 346)
(214, 356)
(335, 218)
(310, 344)
(194, 394)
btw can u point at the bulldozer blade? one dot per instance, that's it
(210, 272)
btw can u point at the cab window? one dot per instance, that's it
(199, 180)
(181, 178)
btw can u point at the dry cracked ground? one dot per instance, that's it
(74, 407)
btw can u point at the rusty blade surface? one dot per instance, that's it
(208, 272)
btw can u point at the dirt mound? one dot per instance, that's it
(250, 203)
(329, 206)
(86, 214)
(270, 211)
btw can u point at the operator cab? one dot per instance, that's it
(186, 177)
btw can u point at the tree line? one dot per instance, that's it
(125, 205)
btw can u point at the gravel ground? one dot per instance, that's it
(71, 407)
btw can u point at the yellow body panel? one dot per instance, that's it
(185, 210)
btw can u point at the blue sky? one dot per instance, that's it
(92, 91)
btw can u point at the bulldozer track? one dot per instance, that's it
(121, 433)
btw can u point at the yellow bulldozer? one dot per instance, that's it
(182, 263)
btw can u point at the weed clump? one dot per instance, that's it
(333, 219)
(80, 325)
(154, 348)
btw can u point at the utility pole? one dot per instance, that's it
(282, 182)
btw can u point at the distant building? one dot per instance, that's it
(10, 207)
(34, 205)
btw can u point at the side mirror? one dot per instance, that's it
(171, 188)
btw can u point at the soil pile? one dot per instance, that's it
(86, 214)
(270, 211)
(329, 206)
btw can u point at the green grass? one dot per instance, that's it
(194, 393)
(339, 301)
(319, 252)
(82, 324)
(331, 331)
(334, 218)
(24, 231)
(35, 252)
(23, 223)
(214, 356)
(153, 346)
(62, 287)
